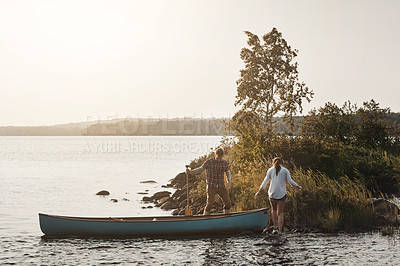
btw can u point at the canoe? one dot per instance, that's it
(215, 224)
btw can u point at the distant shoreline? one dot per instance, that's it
(150, 127)
(126, 127)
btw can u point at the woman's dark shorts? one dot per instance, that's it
(283, 198)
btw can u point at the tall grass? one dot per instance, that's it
(329, 220)
(323, 202)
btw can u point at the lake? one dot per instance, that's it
(61, 175)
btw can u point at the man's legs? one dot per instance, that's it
(210, 200)
(223, 193)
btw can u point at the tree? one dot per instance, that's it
(269, 83)
(358, 142)
(366, 126)
(331, 123)
(373, 128)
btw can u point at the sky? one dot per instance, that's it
(80, 60)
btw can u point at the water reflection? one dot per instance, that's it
(308, 249)
(217, 252)
(273, 250)
(394, 239)
(247, 250)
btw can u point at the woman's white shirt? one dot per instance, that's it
(277, 189)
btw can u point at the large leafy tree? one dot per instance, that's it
(269, 84)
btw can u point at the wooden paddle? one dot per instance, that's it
(188, 211)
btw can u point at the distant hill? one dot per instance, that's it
(71, 129)
(150, 127)
(124, 127)
(160, 127)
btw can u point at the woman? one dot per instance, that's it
(277, 192)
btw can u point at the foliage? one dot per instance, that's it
(323, 202)
(330, 219)
(349, 125)
(268, 84)
(357, 142)
(329, 203)
(330, 123)
(348, 153)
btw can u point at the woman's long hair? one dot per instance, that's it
(277, 163)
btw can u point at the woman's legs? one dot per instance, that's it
(274, 212)
(280, 214)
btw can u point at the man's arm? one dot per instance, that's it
(228, 175)
(228, 178)
(197, 170)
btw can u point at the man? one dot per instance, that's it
(215, 168)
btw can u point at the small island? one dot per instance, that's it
(346, 158)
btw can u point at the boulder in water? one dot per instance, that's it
(103, 193)
(178, 193)
(182, 197)
(179, 180)
(168, 206)
(165, 199)
(146, 199)
(160, 195)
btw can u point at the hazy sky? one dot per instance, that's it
(69, 61)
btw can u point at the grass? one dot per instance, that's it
(329, 204)
(326, 203)
(330, 219)
(387, 231)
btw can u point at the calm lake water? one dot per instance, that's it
(61, 175)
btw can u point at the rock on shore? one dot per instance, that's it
(386, 211)
(177, 202)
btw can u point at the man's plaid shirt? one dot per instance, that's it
(215, 172)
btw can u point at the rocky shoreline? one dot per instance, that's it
(176, 202)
